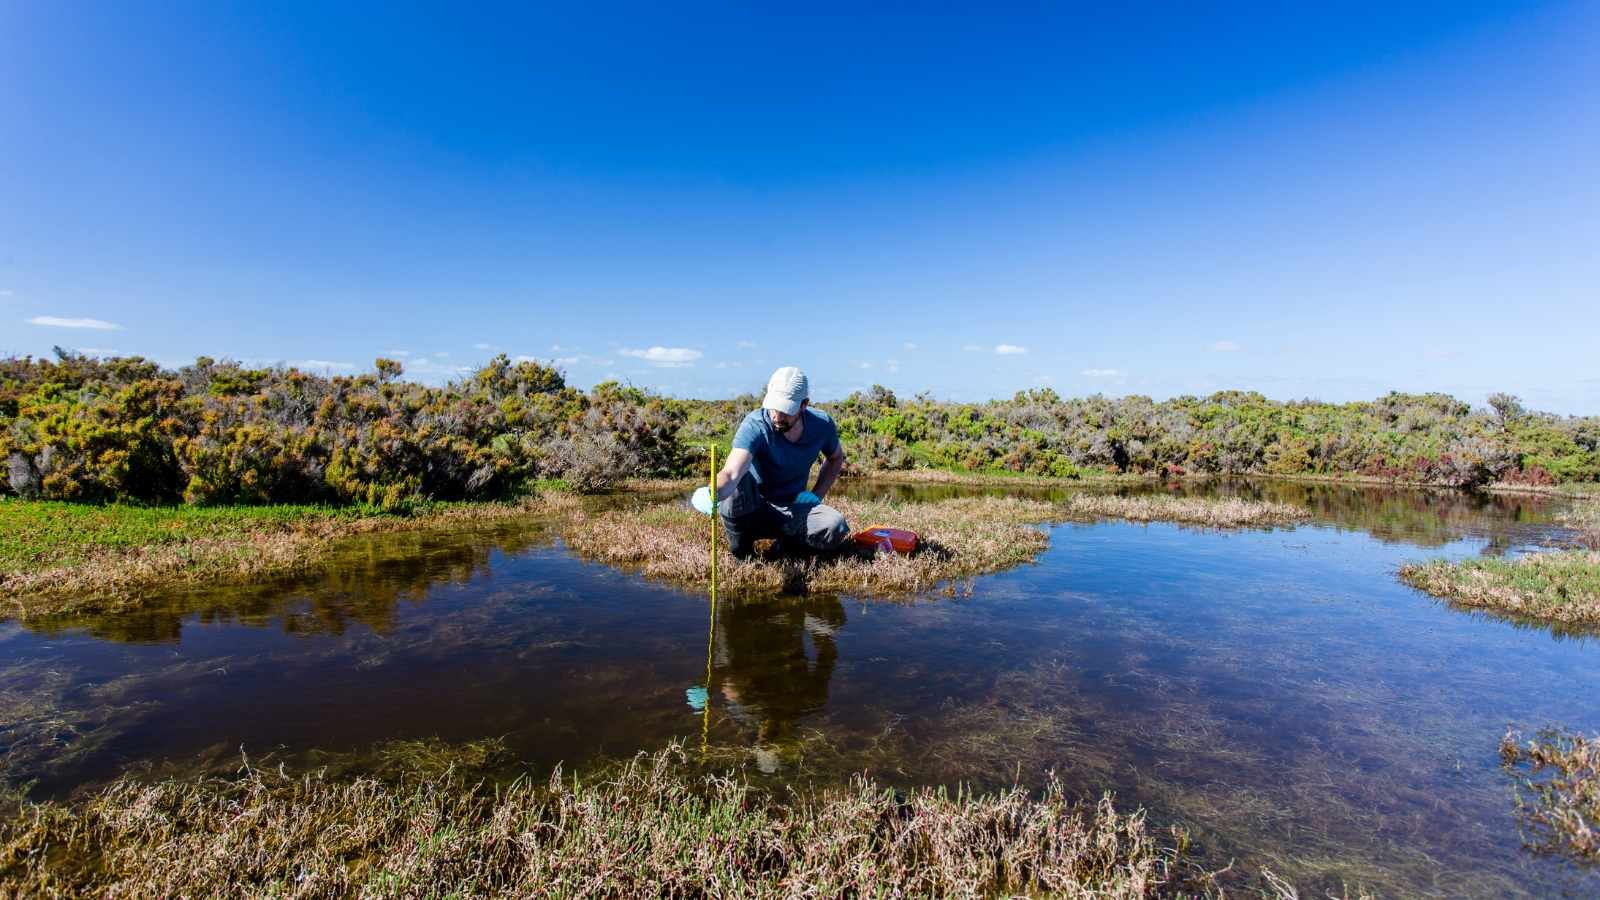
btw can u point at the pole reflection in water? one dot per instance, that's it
(766, 672)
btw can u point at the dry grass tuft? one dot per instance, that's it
(962, 537)
(1563, 768)
(1561, 586)
(655, 828)
(1230, 512)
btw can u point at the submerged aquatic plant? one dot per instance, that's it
(1563, 778)
(653, 828)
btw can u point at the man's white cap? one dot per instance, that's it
(785, 389)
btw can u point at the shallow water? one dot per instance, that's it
(1279, 693)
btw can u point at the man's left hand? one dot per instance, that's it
(807, 497)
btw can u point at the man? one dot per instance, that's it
(761, 490)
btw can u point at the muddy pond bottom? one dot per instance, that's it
(1279, 694)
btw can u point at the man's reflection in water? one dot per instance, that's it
(768, 674)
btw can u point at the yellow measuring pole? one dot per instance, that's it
(711, 634)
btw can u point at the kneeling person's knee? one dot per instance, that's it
(826, 528)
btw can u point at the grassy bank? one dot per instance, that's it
(1558, 798)
(963, 537)
(1561, 586)
(59, 557)
(655, 828)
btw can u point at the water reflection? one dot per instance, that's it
(774, 660)
(366, 580)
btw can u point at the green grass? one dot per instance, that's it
(43, 534)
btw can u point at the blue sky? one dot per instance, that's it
(1330, 202)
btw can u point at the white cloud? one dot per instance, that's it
(863, 365)
(1103, 373)
(666, 356)
(909, 345)
(59, 322)
(97, 351)
(972, 348)
(568, 360)
(483, 346)
(397, 354)
(6, 293)
(322, 365)
(1044, 379)
(1227, 346)
(441, 354)
(1009, 349)
(747, 345)
(892, 365)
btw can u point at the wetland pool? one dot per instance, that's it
(1278, 693)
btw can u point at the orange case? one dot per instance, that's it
(898, 539)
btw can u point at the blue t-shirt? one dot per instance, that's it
(780, 465)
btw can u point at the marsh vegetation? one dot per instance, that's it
(1559, 791)
(963, 537)
(1558, 586)
(1213, 512)
(655, 826)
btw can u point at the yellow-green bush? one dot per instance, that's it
(81, 429)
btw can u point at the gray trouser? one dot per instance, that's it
(747, 517)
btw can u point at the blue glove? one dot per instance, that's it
(807, 497)
(701, 500)
(696, 697)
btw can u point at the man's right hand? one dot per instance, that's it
(701, 500)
